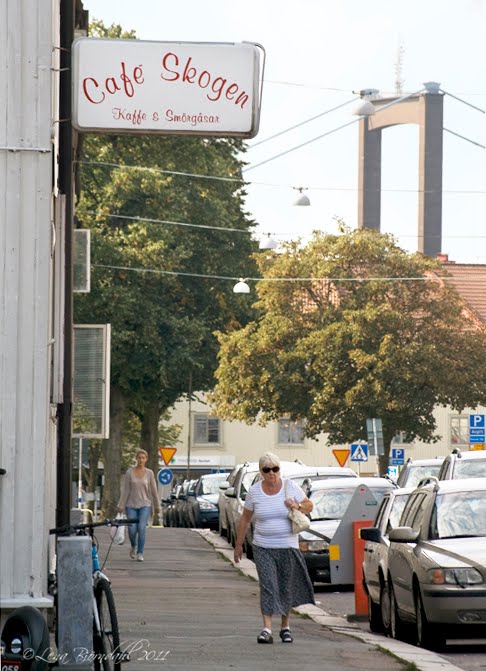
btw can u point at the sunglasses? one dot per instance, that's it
(267, 469)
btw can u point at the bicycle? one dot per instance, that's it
(106, 635)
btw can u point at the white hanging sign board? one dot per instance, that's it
(132, 86)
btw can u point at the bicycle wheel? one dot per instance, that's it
(106, 643)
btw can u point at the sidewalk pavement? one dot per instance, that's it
(188, 607)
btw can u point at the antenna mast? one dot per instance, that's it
(399, 68)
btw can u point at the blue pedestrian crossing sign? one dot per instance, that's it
(165, 476)
(359, 452)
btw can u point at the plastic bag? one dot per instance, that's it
(118, 533)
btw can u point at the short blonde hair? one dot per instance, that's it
(268, 459)
(141, 452)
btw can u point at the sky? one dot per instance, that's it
(318, 53)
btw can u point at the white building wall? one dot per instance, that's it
(26, 435)
(242, 442)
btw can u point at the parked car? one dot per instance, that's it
(375, 562)
(168, 506)
(331, 499)
(223, 500)
(179, 503)
(203, 506)
(416, 470)
(437, 563)
(459, 464)
(185, 504)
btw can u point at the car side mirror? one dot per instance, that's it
(231, 492)
(370, 534)
(224, 485)
(403, 535)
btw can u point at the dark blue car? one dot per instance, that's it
(204, 510)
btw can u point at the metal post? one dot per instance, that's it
(66, 185)
(189, 433)
(74, 603)
(80, 473)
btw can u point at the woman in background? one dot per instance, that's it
(139, 494)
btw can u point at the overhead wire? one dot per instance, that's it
(302, 123)
(150, 220)
(434, 278)
(258, 183)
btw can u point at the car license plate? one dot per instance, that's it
(11, 665)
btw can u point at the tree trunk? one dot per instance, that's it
(111, 450)
(149, 437)
(383, 460)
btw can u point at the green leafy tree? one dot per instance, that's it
(340, 350)
(163, 318)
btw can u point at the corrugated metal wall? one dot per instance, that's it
(26, 451)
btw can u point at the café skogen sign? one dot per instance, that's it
(131, 86)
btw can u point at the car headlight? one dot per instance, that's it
(207, 505)
(455, 576)
(313, 546)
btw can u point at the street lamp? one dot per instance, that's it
(303, 199)
(241, 287)
(268, 242)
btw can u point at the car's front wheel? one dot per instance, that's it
(385, 607)
(428, 635)
(374, 616)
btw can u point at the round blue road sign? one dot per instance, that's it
(165, 476)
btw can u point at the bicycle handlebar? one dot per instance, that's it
(69, 529)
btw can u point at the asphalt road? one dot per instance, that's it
(466, 655)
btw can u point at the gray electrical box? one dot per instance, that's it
(74, 602)
(362, 507)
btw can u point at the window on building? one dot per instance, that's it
(207, 430)
(459, 430)
(290, 433)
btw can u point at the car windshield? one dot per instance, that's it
(331, 504)
(396, 512)
(211, 485)
(417, 473)
(246, 483)
(475, 468)
(459, 514)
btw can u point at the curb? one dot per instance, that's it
(425, 660)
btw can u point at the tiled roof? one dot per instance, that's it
(470, 281)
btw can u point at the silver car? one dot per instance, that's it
(470, 464)
(375, 562)
(223, 500)
(437, 563)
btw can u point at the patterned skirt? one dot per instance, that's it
(284, 580)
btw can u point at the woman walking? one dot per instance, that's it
(138, 496)
(284, 581)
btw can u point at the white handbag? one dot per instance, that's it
(300, 522)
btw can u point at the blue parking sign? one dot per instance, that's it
(477, 429)
(397, 456)
(476, 421)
